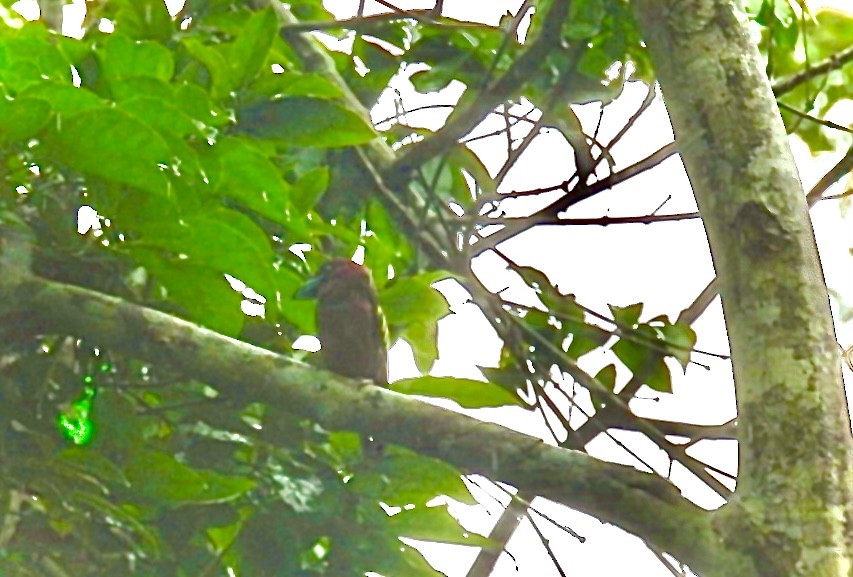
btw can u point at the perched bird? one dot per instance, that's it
(350, 325)
(351, 328)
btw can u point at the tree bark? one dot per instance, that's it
(792, 511)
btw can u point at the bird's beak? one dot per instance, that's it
(309, 289)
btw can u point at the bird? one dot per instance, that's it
(351, 328)
(350, 325)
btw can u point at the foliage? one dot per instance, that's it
(795, 38)
(212, 147)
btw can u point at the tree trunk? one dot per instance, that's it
(792, 511)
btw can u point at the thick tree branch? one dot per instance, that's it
(792, 508)
(638, 502)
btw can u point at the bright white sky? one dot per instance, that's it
(664, 266)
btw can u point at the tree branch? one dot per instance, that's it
(638, 502)
(463, 119)
(833, 62)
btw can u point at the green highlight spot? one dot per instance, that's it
(75, 423)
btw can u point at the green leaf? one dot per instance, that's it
(162, 478)
(160, 115)
(382, 65)
(119, 423)
(241, 171)
(295, 83)
(122, 58)
(627, 317)
(385, 245)
(607, 377)
(680, 339)
(423, 337)
(220, 239)
(310, 122)
(249, 51)
(120, 518)
(450, 57)
(469, 393)
(22, 118)
(31, 60)
(412, 308)
(412, 299)
(295, 311)
(534, 278)
(788, 32)
(644, 362)
(196, 102)
(93, 463)
(113, 144)
(464, 159)
(202, 293)
(144, 19)
(783, 12)
(434, 524)
(309, 188)
(508, 378)
(142, 86)
(585, 19)
(584, 338)
(403, 477)
(223, 83)
(764, 14)
(65, 99)
(405, 562)
(832, 35)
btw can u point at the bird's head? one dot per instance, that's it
(338, 278)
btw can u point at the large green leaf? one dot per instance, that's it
(201, 293)
(434, 524)
(30, 59)
(65, 99)
(123, 520)
(168, 482)
(240, 170)
(215, 61)
(628, 316)
(412, 299)
(22, 118)
(309, 188)
(386, 244)
(122, 58)
(249, 51)
(423, 338)
(301, 121)
(144, 19)
(163, 116)
(406, 561)
(220, 239)
(115, 145)
(412, 308)
(295, 83)
(402, 476)
(468, 393)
